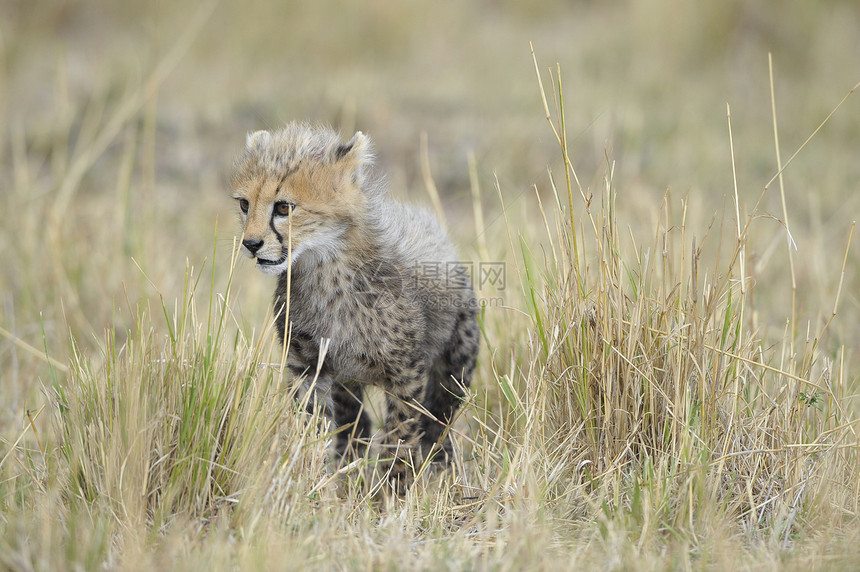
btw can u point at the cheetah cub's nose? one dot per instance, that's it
(252, 245)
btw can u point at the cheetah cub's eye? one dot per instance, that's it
(283, 208)
(244, 204)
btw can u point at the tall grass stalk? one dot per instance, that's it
(183, 427)
(654, 398)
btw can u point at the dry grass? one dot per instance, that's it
(668, 384)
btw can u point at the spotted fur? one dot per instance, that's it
(356, 279)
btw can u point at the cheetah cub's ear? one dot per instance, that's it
(355, 150)
(257, 140)
(354, 156)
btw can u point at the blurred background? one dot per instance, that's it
(119, 122)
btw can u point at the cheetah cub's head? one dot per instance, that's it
(299, 192)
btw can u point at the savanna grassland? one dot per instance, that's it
(668, 378)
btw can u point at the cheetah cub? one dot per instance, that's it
(350, 263)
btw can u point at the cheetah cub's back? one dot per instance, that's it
(370, 275)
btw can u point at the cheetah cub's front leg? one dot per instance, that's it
(400, 449)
